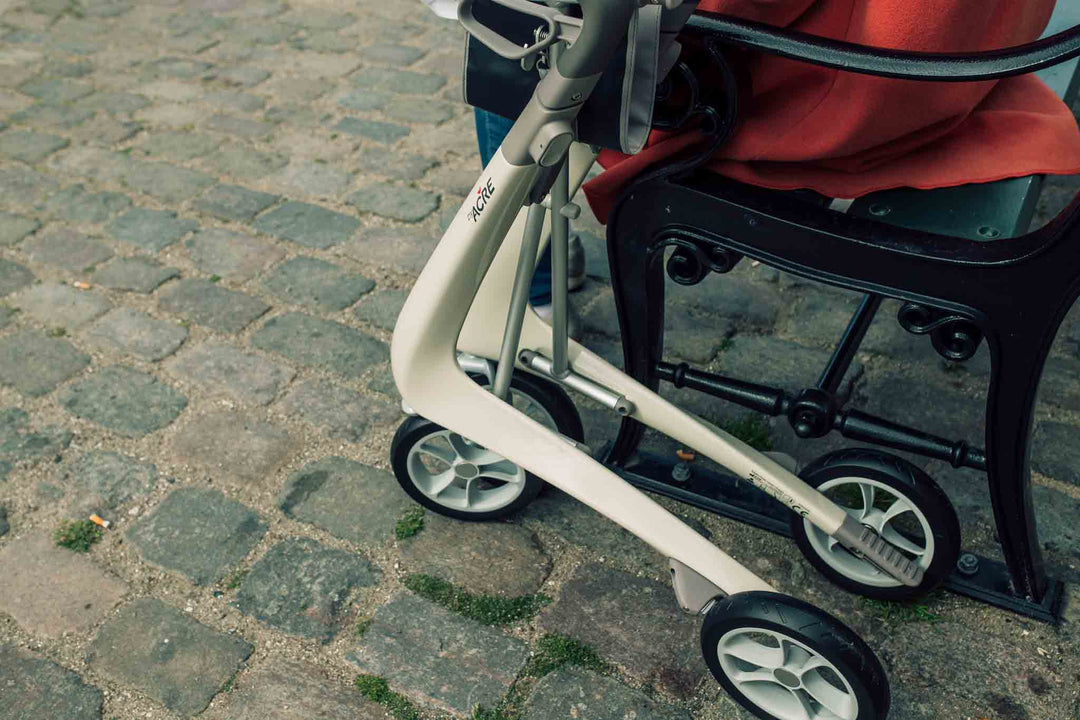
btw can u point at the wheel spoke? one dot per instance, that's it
(752, 652)
(752, 676)
(804, 704)
(896, 509)
(441, 482)
(461, 446)
(442, 454)
(836, 701)
(794, 657)
(867, 492)
(470, 492)
(501, 471)
(895, 538)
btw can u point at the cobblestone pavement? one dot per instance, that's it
(210, 211)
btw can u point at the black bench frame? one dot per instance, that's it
(956, 289)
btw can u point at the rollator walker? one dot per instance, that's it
(484, 380)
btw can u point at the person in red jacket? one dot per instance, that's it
(845, 135)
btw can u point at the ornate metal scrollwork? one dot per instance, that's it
(953, 336)
(695, 257)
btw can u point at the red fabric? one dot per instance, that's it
(846, 135)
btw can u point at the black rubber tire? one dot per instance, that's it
(913, 483)
(548, 395)
(807, 624)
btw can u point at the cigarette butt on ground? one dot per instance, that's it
(81, 285)
(100, 521)
(685, 455)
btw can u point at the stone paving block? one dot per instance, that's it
(211, 305)
(66, 249)
(317, 179)
(584, 695)
(395, 201)
(350, 500)
(231, 255)
(115, 103)
(231, 202)
(929, 406)
(295, 114)
(743, 301)
(695, 338)
(235, 101)
(263, 33)
(34, 364)
(53, 591)
(167, 655)
(171, 90)
(197, 532)
(781, 363)
(151, 229)
(308, 225)
(318, 18)
(296, 89)
(485, 558)
(364, 100)
(37, 688)
(53, 117)
(1054, 451)
(382, 308)
(4, 525)
(14, 228)
(241, 127)
(130, 332)
(321, 343)
(233, 445)
(13, 276)
(398, 81)
(390, 54)
(341, 412)
(30, 147)
(316, 283)
(241, 162)
(61, 306)
(77, 205)
(247, 377)
(372, 129)
(56, 91)
(633, 622)
(178, 67)
(24, 186)
(404, 249)
(302, 587)
(243, 76)
(397, 166)
(100, 481)
(414, 110)
(126, 401)
(179, 146)
(328, 41)
(134, 274)
(19, 442)
(431, 654)
(166, 182)
(283, 688)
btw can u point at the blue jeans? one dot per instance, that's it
(491, 129)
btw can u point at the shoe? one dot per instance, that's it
(575, 264)
(573, 320)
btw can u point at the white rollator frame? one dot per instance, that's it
(471, 298)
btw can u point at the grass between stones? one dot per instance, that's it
(485, 609)
(751, 430)
(362, 627)
(78, 535)
(236, 579)
(554, 651)
(374, 688)
(410, 523)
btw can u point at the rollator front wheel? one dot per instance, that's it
(900, 502)
(450, 475)
(784, 659)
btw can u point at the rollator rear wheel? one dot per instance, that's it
(784, 659)
(900, 502)
(452, 476)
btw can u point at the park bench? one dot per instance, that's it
(959, 260)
